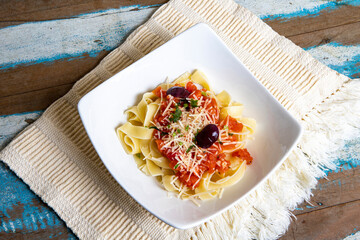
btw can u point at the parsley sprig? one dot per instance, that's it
(156, 128)
(189, 148)
(193, 103)
(176, 115)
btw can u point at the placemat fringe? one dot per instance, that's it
(330, 124)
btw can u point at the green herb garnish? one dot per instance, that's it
(174, 134)
(193, 103)
(176, 166)
(178, 131)
(226, 127)
(187, 128)
(176, 115)
(197, 132)
(221, 143)
(138, 155)
(204, 94)
(186, 105)
(189, 149)
(163, 133)
(180, 143)
(230, 134)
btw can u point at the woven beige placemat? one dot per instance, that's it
(56, 159)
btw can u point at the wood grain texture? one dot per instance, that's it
(339, 188)
(26, 216)
(32, 101)
(343, 15)
(41, 76)
(344, 34)
(332, 223)
(13, 13)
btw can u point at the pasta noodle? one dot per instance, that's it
(190, 139)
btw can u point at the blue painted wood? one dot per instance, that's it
(35, 216)
(11, 125)
(85, 34)
(16, 197)
(15, 194)
(105, 30)
(353, 236)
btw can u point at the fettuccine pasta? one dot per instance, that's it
(192, 140)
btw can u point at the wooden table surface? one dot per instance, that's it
(46, 45)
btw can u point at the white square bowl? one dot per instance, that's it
(102, 110)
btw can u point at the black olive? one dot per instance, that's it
(179, 92)
(207, 136)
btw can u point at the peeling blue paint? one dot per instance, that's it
(344, 59)
(122, 9)
(350, 68)
(16, 195)
(59, 57)
(50, 60)
(353, 236)
(56, 40)
(21, 114)
(11, 125)
(349, 157)
(106, 34)
(310, 12)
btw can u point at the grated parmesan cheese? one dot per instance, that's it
(193, 120)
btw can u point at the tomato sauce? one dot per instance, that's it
(211, 159)
(243, 154)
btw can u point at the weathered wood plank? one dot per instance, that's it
(13, 13)
(11, 125)
(344, 59)
(326, 18)
(46, 32)
(41, 76)
(334, 222)
(353, 236)
(344, 35)
(23, 215)
(32, 101)
(340, 187)
(47, 41)
(56, 233)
